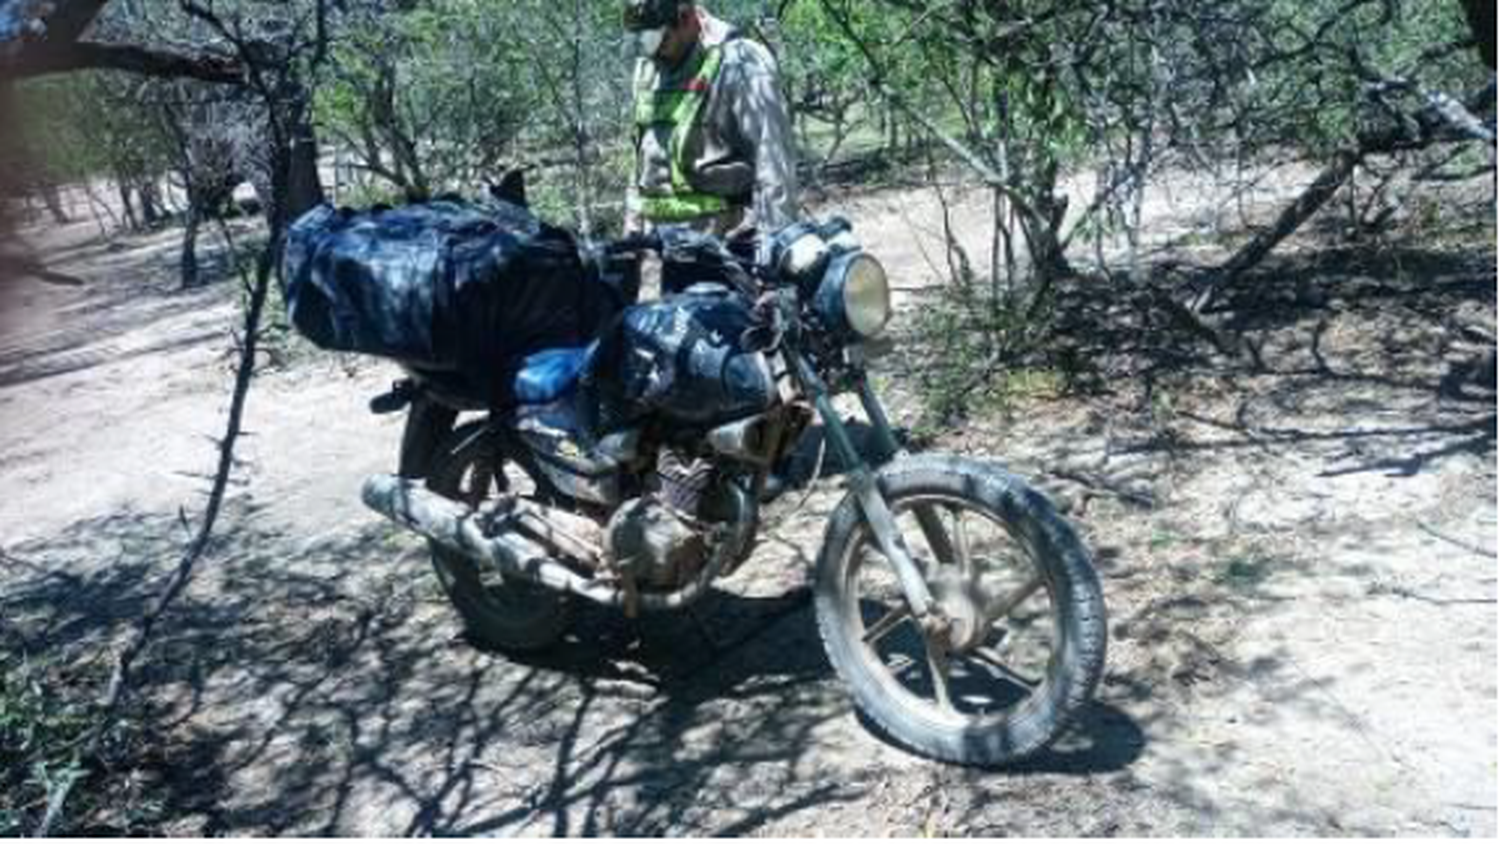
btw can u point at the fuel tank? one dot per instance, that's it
(681, 359)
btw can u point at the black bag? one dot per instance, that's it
(682, 358)
(442, 286)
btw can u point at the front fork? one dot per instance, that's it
(863, 486)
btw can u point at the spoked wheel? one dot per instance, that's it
(498, 613)
(1017, 645)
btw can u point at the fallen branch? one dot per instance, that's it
(1464, 545)
(1097, 485)
(120, 678)
(1289, 221)
(1442, 118)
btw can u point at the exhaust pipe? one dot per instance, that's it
(459, 528)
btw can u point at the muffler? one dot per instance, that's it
(461, 529)
(454, 525)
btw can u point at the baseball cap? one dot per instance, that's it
(652, 14)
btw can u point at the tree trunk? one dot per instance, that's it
(190, 275)
(1481, 14)
(304, 187)
(51, 197)
(127, 206)
(27, 213)
(1047, 255)
(584, 172)
(150, 202)
(295, 184)
(12, 164)
(1043, 226)
(100, 210)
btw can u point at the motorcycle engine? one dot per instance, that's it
(652, 540)
(650, 544)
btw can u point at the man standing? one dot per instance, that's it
(713, 140)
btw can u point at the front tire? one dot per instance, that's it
(1025, 646)
(498, 613)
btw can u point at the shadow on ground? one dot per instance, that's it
(1398, 338)
(317, 684)
(321, 687)
(128, 304)
(1217, 490)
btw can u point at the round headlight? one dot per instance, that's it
(854, 296)
(867, 296)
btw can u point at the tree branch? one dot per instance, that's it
(81, 55)
(70, 19)
(119, 681)
(988, 175)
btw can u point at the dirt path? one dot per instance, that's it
(1298, 560)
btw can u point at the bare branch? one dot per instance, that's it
(987, 174)
(119, 681)
(147, 61)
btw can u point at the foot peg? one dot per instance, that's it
(398, 397)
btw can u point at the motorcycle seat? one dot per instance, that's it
(548, 375)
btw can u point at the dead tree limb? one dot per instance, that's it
(133, 58)
(1307, 204)
(52, 42)
(119, 681)
(1441, 118)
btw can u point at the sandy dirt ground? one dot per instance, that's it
(1298, 559)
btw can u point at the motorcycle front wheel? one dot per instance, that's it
(1022, 647)
(498, 613)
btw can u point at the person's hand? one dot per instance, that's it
(745, 231)
(632, 225)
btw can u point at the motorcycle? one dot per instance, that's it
(959, 607)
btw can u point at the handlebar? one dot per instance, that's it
(677, 241)
(676, 244)
(770, 309)
(649, 241)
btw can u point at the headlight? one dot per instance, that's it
(854, 295)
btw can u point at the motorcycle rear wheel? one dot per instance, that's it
(1025, 649)
(498, 613)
